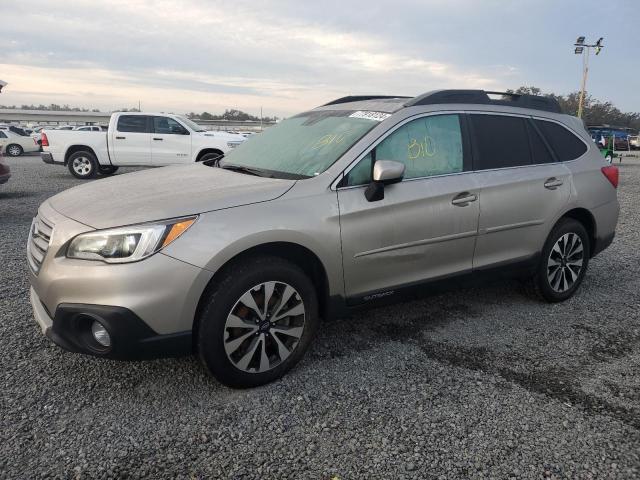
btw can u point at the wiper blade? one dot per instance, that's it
(241, 169)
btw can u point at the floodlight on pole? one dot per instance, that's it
(584, 50)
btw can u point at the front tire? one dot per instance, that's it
(14, 150)
(83, 165)
(564, 261)
(212, 157)
(257, 322)
(107, 169)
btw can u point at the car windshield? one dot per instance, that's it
(305, 145)
(191, 124)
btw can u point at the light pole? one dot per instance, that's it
(585, 50)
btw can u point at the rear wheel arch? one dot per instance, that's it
(295, 253)
(78, 148)
(585, 217)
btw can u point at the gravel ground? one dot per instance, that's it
(478, 383)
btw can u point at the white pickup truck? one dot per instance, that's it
(135, 139)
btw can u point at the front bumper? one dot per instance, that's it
(148, 307)
(131, 338)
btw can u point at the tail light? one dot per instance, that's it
(611, 172)
(44, 141)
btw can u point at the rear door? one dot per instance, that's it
(420, 230)
(522, 188)
(131, 140)
(170, 142)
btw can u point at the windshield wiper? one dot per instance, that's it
(241, 169)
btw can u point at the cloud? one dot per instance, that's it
(283, 55)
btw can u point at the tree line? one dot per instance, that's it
(595, 112)
(230, 114)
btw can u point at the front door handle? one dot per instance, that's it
(156, 138)
(463, 199)
(553, 183)
(120, 138)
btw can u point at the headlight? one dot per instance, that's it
(127, 244)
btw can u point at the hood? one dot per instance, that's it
(165, 192)
(224, 135)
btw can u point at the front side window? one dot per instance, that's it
(167, 125)
(133, 123)
(427, 146)
(304, 145)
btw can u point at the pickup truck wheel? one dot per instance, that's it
(107, 169)
(257, 322)
(83, 165)
(14, 150)
(211, 157)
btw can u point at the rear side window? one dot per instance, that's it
(500, 141)
(2, 135)
(539, 151)
(133, 123)
(564, 143)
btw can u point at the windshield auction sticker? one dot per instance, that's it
(375, 116)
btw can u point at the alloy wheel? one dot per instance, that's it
(565, 262)
(14, 150)
(264, 327)
(82, 166)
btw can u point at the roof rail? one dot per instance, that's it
(536, 102)
(359, 98)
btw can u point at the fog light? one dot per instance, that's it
(100, 334)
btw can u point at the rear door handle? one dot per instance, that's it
(553, 183)
(156, 138)
(120, 138)
(463, 199)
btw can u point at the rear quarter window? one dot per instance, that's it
(566, 145)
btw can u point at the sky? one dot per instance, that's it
(290, 56)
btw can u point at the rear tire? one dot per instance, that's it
(14, 150)
(564, 261)
(83, 165)
(246, 346)
(107, 169)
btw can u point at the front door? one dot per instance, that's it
(421, 229)
(170, 142)
(131, 142)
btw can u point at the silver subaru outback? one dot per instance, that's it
(354, 203)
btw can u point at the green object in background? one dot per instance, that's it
(608, 151)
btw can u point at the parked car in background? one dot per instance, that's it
(64, 127)
(135, 139)
(15, 145)
(359, 201)
(90, 128)
(15, 129)
(5, 172)
(635, 142)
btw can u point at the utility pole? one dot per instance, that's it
(260, 118)
(584, 50)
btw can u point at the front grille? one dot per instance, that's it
(38, 244)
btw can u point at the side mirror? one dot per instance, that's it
(385, 172)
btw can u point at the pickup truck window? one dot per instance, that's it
(168, 125)
(133, 123)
